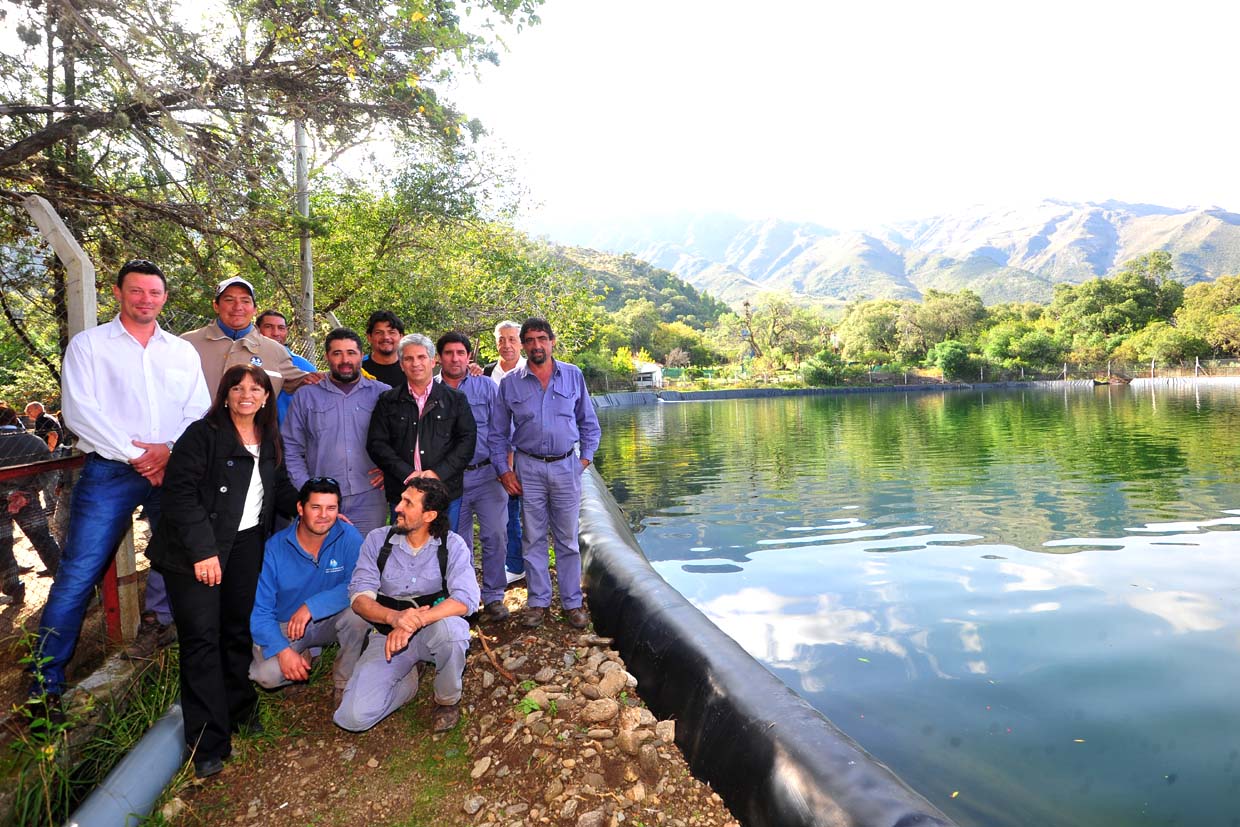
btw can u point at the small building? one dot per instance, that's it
(648, 375)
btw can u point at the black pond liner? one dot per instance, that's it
(773, 758)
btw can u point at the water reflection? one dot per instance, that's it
(1027, 600)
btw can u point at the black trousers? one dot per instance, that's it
(33, 522)
(213, 627)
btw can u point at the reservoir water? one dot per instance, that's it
(1026, 603)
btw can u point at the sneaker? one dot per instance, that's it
(152, 636)
(495, 611)
(514, 576)
(445, 717)
(533, 617)
(578, 618)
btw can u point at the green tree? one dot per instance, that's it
(951, 357)
(871, 326)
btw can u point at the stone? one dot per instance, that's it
(569, 809)
(537, 696)
(629, 742)
(540, 728)
(594, 818)
(502, 772)
(611, 684)
(600, 734)
(646, 717)
(372, 763)
(648, 758)
(589, 752)
(513, 664)
(488, 680)
(473, 804)
(569, 763)
(630, 717)
(516, 809)
(553, 791)
(666, 731)
(545, 675)
(595, 640)
(591, 691)
(637, 793)
(480, 767)
(597, 712)
(630, 774)
(608, 666)
(349, 754)
(630, 682)
(595, 780)
(172, 809)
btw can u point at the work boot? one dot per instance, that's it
(152, 636)
(533, 617)
(495, 611)
(445, 717)
(578, 618)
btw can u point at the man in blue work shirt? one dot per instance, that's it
(273, 325)
(302, 599)
(547, 409)
(325, 433)
(483, 495)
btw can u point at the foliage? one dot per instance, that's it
(951, 357)
(823, 369)
(1162, 342)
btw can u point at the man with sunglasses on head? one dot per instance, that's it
(325, 432)
(302, 599)
(129, 390)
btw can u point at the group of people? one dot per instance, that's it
(379, 468)
(21, 498)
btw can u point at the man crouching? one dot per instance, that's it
(415, 583)
(302, 599)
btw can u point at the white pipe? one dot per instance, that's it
(136, 783)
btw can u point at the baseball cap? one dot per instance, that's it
(226, 283)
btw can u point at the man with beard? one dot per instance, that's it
(383, 330)
(546, 408)
(325, 432)
(415, 583)
(302, 599)
(483, 495)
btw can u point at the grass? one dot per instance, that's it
(52, 778)
(436, 769)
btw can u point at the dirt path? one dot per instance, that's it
(568, 744)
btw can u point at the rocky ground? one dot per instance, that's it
(553, 732)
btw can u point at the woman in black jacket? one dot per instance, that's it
(224, 481)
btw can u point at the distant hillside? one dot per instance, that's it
(626, 277)
(1004, 255)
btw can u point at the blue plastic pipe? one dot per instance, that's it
(133, 786)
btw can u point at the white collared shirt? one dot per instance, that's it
(498, 373)
(114, 390)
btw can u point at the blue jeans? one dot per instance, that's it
(514, 562)
(100, 512)
(454, 516)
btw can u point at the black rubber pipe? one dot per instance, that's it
(773, 758)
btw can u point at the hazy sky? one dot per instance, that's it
(852, 113)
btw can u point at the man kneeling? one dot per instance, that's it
(415, 583)
(302, 600)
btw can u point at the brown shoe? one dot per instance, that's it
(495, 611)
(445, 717)
(152, 636)
(578, 618)
(533, 617)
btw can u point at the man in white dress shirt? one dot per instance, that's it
(129, 389)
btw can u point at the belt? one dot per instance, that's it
(541, 458)
(477, 465)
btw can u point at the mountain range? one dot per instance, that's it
(1011, 254)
